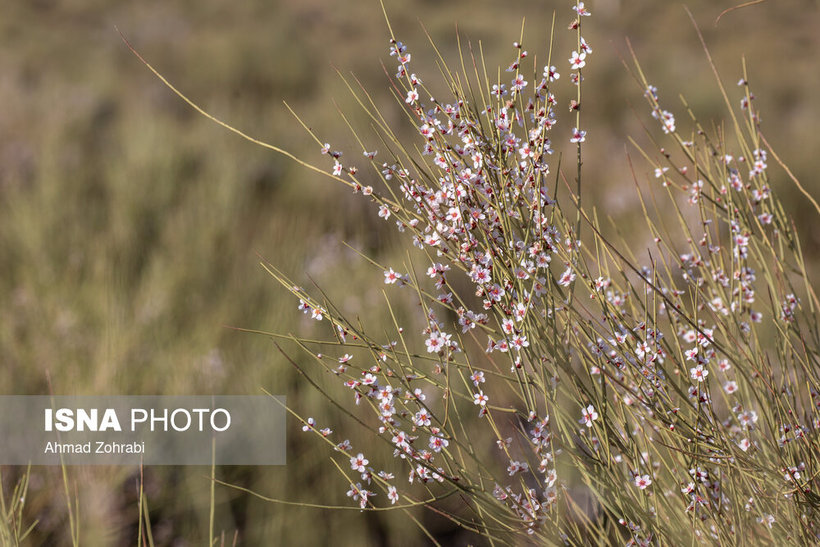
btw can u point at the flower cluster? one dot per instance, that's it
(695, 372)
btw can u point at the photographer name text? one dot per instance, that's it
(96, 447)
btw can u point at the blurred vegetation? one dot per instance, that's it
(131, 229)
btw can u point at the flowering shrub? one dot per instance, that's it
(577, 388)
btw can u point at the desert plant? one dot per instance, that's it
(569, 385)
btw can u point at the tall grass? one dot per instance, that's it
(13, 528)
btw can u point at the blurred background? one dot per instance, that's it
(131, 228)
